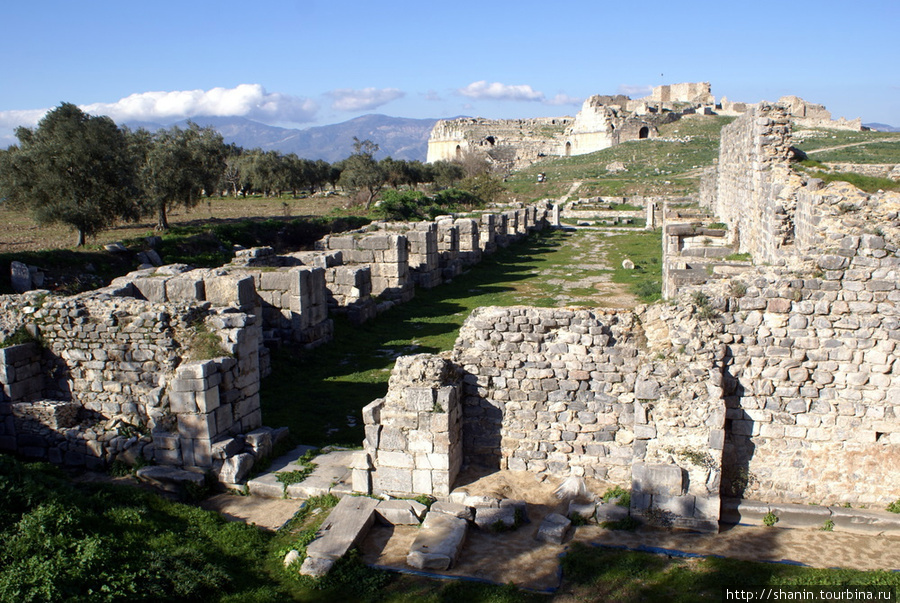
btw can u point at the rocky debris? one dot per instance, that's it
(611, 511)
(438, 542)
(293, 556)
(553, 529)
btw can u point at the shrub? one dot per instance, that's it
(402, 205)
(770, 519)
(894, 507)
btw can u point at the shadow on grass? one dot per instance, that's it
(319, 393)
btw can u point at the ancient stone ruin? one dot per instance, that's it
(164, 365)
(602, 122)
(772, 380)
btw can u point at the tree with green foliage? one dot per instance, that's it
(178, 166)
(444, 174)
(361, 173)
(73, 169)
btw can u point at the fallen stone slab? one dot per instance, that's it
(400, 512)
(744, 512)
(347, 525)
(170, 479)
(316, 567)
(455, 509)
(495, 518)
(520, 510)
(438, 542)
(800, 516)
(235, 468)
(553, 529)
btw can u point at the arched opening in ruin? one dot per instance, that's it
(490, 140)
(568, 149)
(644, 133)
(458, 152)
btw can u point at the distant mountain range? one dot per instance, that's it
(882, 127)
(397, 137)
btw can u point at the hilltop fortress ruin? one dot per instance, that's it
(602, 122)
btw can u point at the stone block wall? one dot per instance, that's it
(814, 379)
(448, 248)
(469, 241)
(386, 254)
(350, 292)
(20, 373)
(753, 192)
(110, 377)
(291, 300)
(625, 398)
(413, 434)
(423, 257)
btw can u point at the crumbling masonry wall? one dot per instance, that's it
(626, 398)
(752, 191)
(110, 380)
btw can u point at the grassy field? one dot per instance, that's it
(18, 232)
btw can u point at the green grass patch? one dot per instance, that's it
(869, 147)
(644, 248)
(597, 574)
(87, 542)
(869, 184)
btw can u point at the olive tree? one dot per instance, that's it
(73, 169)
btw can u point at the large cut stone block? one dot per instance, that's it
(662, 479)
(438, 542)
(553, 529)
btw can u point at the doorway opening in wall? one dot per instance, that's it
(644, 133)
(568, 149)
(490, 140)
(458, 152)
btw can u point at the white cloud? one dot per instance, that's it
(483, 90)
(564, 99)
(246, 100)
(347, 99)
(9, 120)
(635, 91)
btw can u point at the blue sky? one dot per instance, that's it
(310, 62)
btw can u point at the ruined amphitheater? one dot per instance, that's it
(757, 385)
